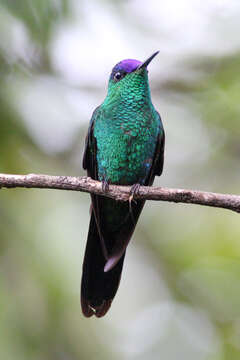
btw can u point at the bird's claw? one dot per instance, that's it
(105, 186)
(135, 189)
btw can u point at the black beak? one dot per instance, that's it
(147, 62)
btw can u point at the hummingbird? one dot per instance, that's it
(124, 146)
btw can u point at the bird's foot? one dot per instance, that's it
(105, 186)
(134, 190)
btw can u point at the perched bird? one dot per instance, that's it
(124, 145)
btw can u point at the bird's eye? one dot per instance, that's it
(118, 76)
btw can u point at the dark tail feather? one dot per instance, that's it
(98, 288)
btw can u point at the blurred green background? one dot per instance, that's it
(179, 297)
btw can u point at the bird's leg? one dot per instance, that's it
(105, 185)
(134, 191)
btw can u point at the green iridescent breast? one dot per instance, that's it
(126, 141)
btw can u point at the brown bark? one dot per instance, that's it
(121, 193)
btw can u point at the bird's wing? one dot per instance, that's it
(90, 164)
(137, 205)
(89, 156)
(158, 160)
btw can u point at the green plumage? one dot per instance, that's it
(126, 131)
(125, 146)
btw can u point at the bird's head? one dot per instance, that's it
(129, 77)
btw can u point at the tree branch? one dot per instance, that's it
(121, 193)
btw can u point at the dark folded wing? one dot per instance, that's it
(90, 150)
(158, 160)
(90, 164)
(122, 241)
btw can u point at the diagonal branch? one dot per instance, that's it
(121, 193)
